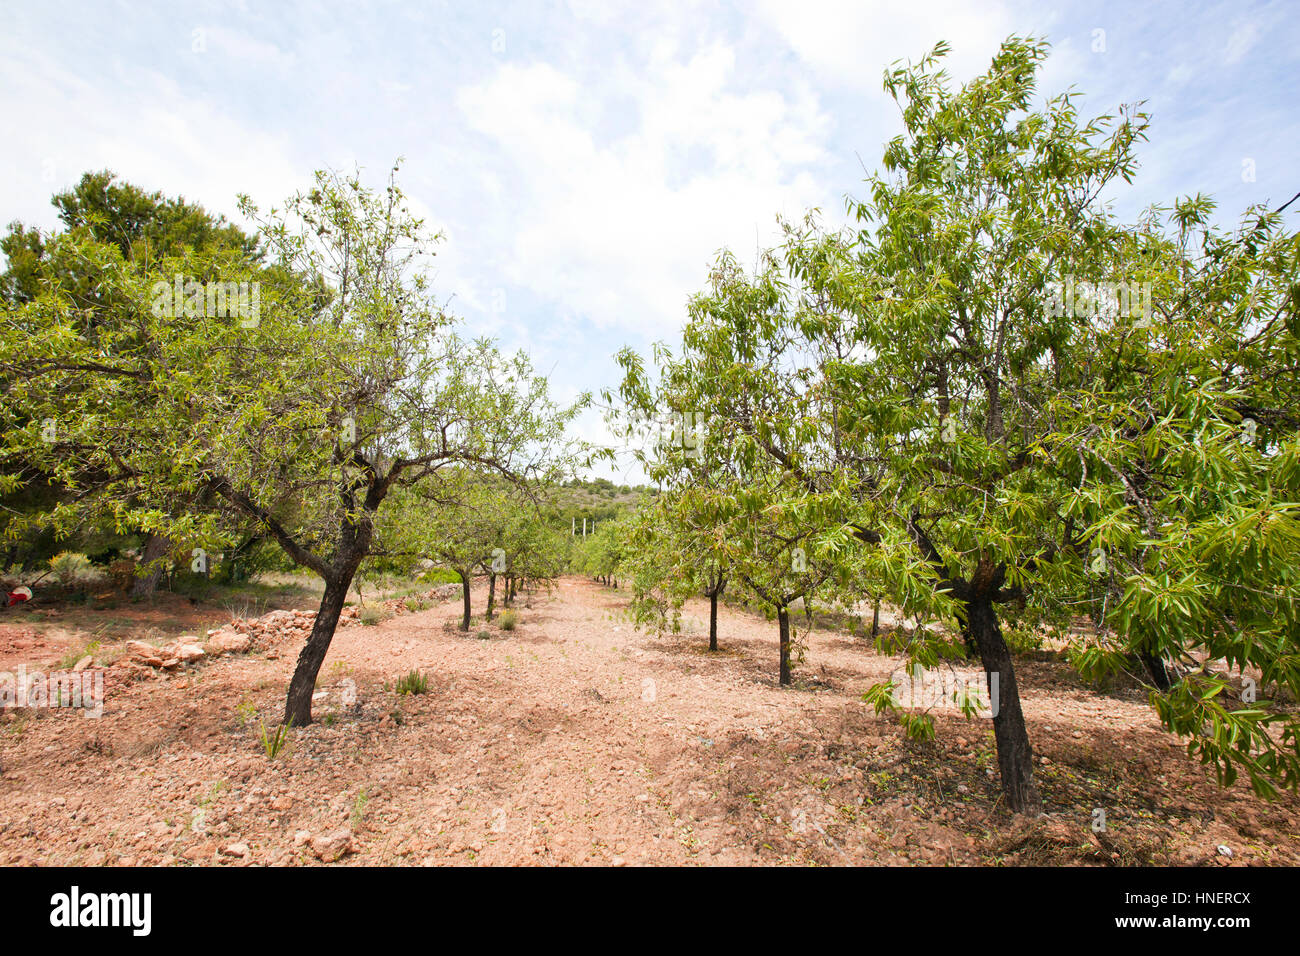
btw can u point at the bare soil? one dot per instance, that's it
(576, 739)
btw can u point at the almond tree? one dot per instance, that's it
(672, 556)
(144, 228)
(994, 447)
(726, 403)
(347, 383)
(913, 386)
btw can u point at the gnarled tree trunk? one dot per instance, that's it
(156, 547)
(297, 707)
(1015, 756)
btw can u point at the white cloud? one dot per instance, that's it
(240, 46)
(1239, 44)
(852, 42)
(158, 137)
(622, 232)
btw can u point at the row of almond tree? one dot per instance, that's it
(929, 406)
(946, 405)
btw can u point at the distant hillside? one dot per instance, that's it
(597, 498)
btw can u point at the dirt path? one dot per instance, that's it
(576, 739)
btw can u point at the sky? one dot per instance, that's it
(587, 161)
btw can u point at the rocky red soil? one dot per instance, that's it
(576, 739)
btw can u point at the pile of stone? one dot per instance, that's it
(265, 632)
(273, 628)
(186, 649)
(237, 637)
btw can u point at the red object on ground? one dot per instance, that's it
(18, 596)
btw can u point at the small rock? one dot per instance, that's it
(1225, 850)
(144, 653)
(282, 803)
(235, 849)
(223, 642)
(188, 653)
(82, 664)
(301, 837)
(330, 846)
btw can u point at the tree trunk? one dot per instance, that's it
(297, 707)
(713, 620)
(464, 590)
(875, 621)
(492, 593)
(1155, 666)
(156, 547)
(783, 623)
(1015, 756)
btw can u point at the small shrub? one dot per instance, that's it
(274, 743)
(359, 807)
(415, 604)
(68, 567)
(70, 659)
(440, 576)
(412, 683)
(484, 635)
(370, 616)
(509, 620)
